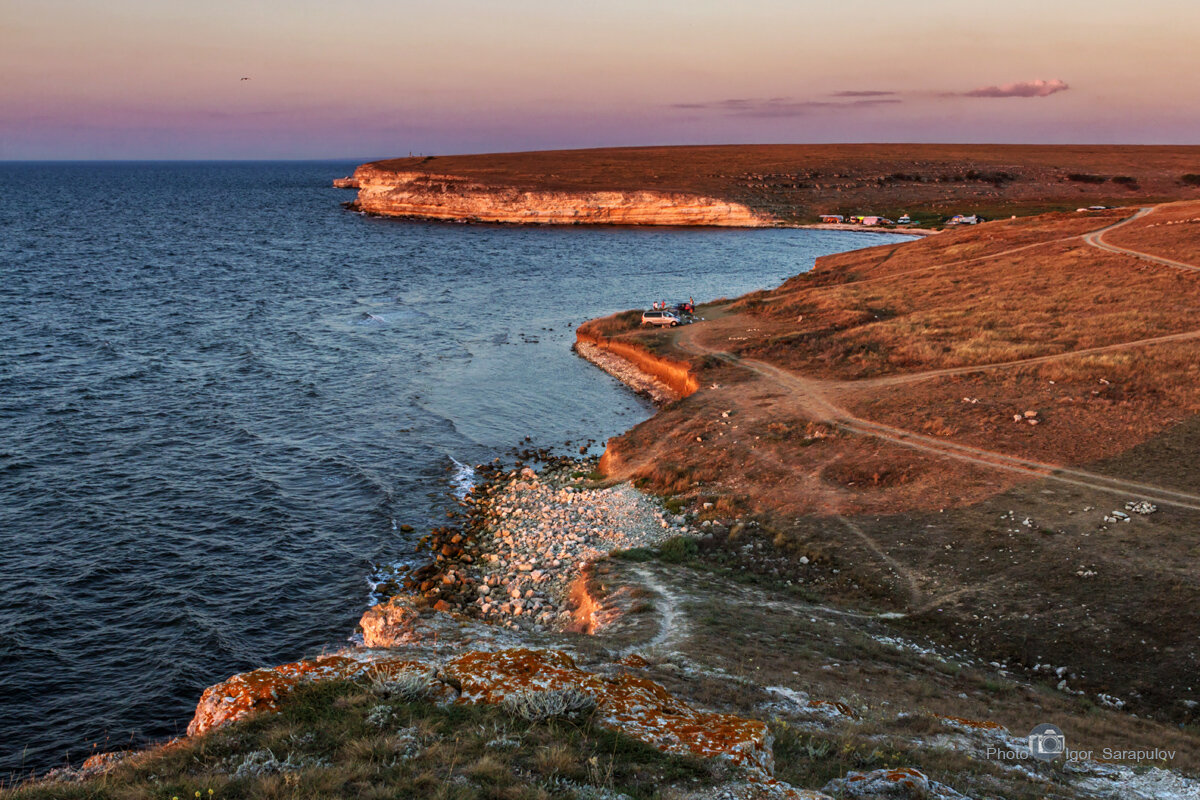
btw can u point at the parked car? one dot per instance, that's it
(664, 318)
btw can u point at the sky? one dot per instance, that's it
(361, 79)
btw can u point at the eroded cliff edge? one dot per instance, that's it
(737, 185)
(449, 197)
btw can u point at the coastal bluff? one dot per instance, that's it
(769, 185)
(458, 198)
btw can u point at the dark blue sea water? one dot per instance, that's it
(221, 393)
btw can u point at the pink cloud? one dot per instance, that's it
(1021, 89)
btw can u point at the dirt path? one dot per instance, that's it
(917, 377)
(808, 398)
(1096, 239)
(672, 626)
(915, 595)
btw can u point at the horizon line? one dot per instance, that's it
(360, 159)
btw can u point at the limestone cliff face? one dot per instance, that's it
(425, 195)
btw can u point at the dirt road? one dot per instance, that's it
(814, 400)
(1096, 239)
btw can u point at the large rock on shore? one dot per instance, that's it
(394, 623)
(400, 622)
(265, 688)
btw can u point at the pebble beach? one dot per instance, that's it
(526, 538)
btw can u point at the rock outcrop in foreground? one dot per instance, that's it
(424, 195)
(634, 706)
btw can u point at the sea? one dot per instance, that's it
(222, 394)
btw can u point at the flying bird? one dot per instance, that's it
(245, 79)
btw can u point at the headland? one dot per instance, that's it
(889, 515)
(758, 185)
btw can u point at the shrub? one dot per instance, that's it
(380, 716)
(679, 549)
(1083, 177)
(635, 554)
(1126, 180)
(1190, 179)
(264, 762)
(994, 178)
(408, 686)
(534, 706)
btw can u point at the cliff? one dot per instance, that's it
(660, 379)
(450, 197)
(771, 184)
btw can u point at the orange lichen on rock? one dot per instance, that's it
(634, 660)
(635, 706)
(834, 705)
(974, 724)
(899, 782)
(263, 689)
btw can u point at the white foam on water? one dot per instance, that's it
(464, 478)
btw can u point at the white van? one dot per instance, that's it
(664, 318)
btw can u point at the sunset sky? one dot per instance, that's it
(374, 78)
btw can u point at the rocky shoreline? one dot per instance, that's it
(627, 373)
(520, 558)
(475, 625)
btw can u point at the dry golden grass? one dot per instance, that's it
(613, 324)
(1056, 298)
(925, 530)
(954, 245)
(1171, 231)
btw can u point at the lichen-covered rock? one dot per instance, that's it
(903, 783)
(970, 724)
(793, 701)
(400, 623)
(94, 766)
(396, 622)
(770, 789)
(263, 689)
(635, 706)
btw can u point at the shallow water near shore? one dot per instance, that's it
(223, 394)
